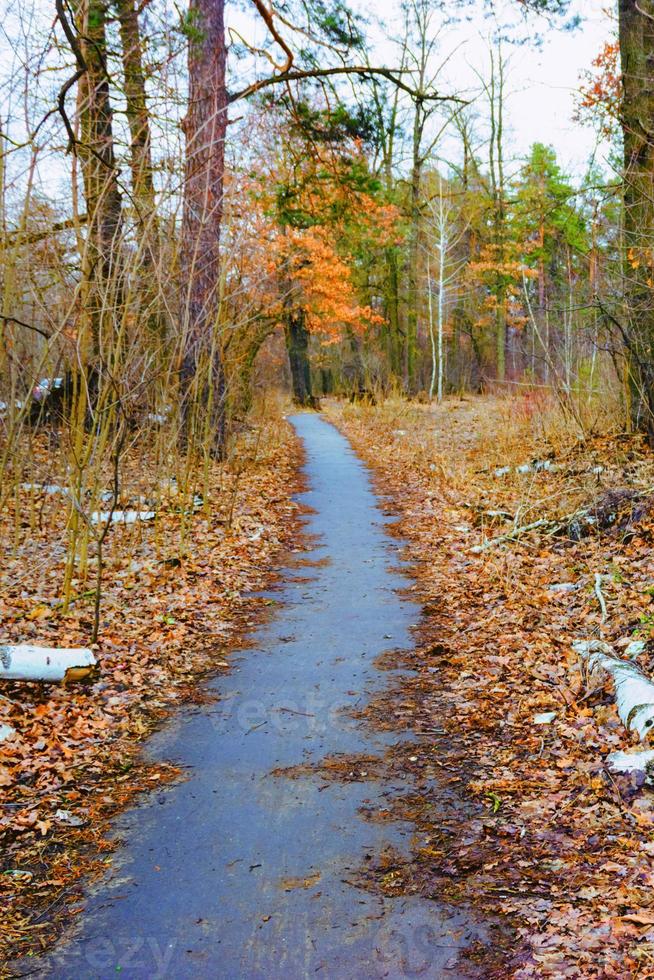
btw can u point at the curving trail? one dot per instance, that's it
(241, 873)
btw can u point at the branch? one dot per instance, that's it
(642, 12)
(31, 238)
(21, 323)
(82, 69)
(300, 75)
(512, 535)
(71, 36)
(267, 17)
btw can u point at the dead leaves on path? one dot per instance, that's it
(167, 618)
(536, 828)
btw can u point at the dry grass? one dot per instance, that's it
(474, 447)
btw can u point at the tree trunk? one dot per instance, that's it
(441, 314)
(102, 261)
(495, 93)
(411, 339)
(357, 369)
(297, 345)
(392, 304)
(432, 339)
(136, 109)
(636, 32)
(143, 191)
(205, 127)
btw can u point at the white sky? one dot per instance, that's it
(544, 83)
(542, 80)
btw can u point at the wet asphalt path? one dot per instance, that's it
(236, 872)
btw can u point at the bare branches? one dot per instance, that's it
(364, 71)
(267, 15)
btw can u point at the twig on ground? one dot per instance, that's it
(600, 595)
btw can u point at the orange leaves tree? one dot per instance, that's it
(500, 275)
(323, 220)
(600, 96)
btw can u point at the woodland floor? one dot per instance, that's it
(557, 845)
(173, 606)
(536, 828)
(255, 864)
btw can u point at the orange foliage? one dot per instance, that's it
(491, 270)
(601, 92)
(324, 280)
(311, 253)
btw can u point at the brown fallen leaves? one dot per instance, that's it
(520, 819)
(169, 612)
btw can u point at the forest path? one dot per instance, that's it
(238, 872)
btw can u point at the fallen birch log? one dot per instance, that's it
(122, 516)
(634, 691)
(49, 664)
(631, 761)
(511, 536)
(47, 488)
(6, 732)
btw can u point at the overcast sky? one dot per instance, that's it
(543, 82)
(543, 77)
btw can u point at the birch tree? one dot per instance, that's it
(445, 235)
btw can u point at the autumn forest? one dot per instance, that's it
(326, 482)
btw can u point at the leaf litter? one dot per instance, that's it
(519, 819)
(70, 756)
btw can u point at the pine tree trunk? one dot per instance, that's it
(636, 32)
(205, 127)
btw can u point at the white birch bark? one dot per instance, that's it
(634, 691)
(49, 664)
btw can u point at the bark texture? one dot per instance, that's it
(636, 31)
(102, 265)
(205, 126)
(297, 345)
